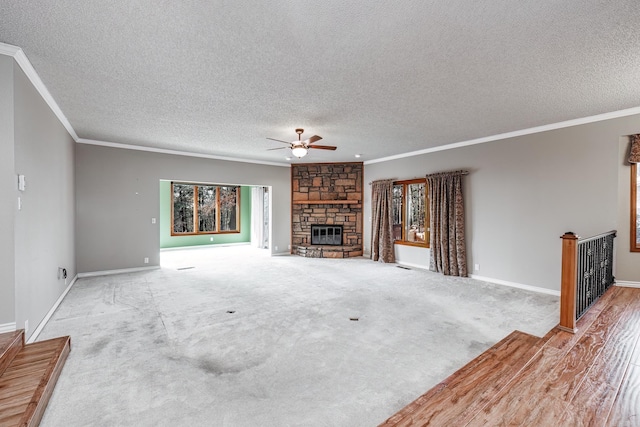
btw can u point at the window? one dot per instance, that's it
(635, 208)
(204, 209)
(410, 214)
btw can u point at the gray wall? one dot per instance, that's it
(8, 193)
(37, 239)
(117, 195)
(44, 228)
(523, 193)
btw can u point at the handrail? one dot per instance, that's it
(597, 236)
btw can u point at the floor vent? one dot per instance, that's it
(185, 268)
(403, 267)
(354, 319)
(230, 311)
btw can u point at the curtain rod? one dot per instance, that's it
(460, 172)
(389, 179)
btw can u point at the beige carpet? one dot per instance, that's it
(231, 337)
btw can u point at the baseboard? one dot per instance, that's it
(516, 285)
(120, 271)
(219, 245)
(281, 253)
(409, 264)
(626, 284)
(7, 327)
(43, 323)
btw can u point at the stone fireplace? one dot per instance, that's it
(326, 210)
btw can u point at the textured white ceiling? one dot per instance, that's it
(218, 77)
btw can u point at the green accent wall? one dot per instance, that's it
(169, 241)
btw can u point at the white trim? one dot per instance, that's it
(219, 245)
(44, 321)
(120, 271)
(32, 75)
(7, 327)
(409, 264)
(176, 152)
(522, 132)
(516, 285)
(286, 253)
(626, 284)
(8, 49)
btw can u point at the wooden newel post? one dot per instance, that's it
(569, 282)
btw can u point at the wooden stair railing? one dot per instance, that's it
(568, 282)
(586, 274)
(28, 374)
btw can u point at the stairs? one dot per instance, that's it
(564, 379)
(28, 374)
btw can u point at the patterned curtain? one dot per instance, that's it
(634, 156)
(382, 221)
(448, 247)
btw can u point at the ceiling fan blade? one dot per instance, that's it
(323, 147)
(313, 139)
(279, 148)
(279, 140)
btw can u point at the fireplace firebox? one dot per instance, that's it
(326, 235)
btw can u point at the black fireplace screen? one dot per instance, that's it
(326, 235)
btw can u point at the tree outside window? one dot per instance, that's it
(410, 214)
(204, 209)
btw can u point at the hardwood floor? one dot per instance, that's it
(591, 378)
(28, 374)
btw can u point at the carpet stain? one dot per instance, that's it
(213, 367)
(99, 346)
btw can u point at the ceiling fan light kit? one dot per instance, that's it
(299, 151)
(300, 148)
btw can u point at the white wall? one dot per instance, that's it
(523, 193)
(117, 195)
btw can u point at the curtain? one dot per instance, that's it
(634, 156)
(446, 222)
(382, 221)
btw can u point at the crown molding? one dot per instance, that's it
(176, 152)
(507, 135)
(24, 63)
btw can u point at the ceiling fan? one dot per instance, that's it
(299, 148)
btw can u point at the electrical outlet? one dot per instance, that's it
(153, 220)
(289, 247)
(26, 326)
(477, 267)
(211, 239)
(276, 248)
(146, 260)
